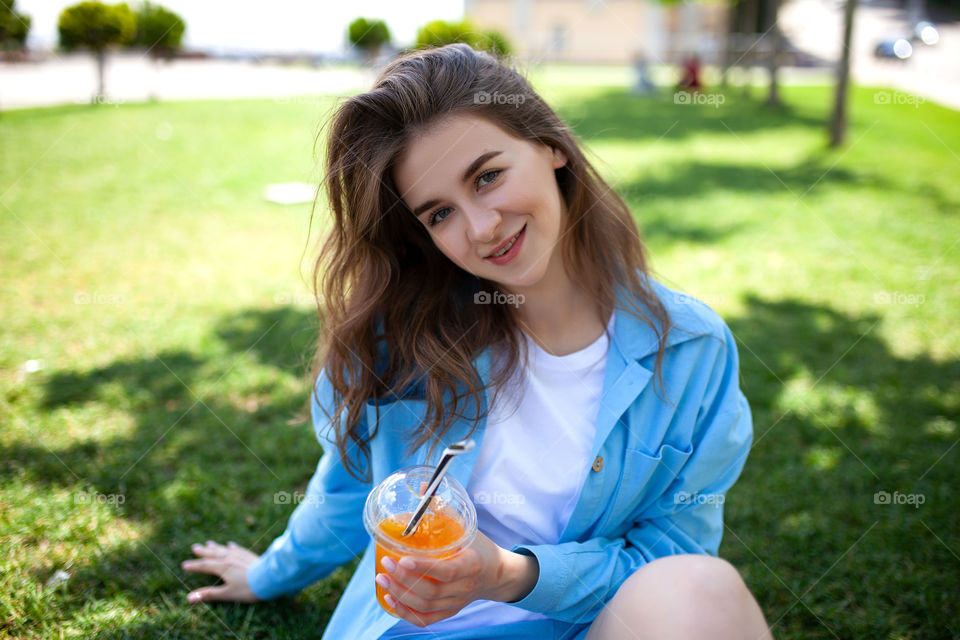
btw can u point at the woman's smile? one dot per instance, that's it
(509, 250)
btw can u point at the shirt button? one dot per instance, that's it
(598, 463)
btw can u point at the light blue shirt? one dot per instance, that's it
(664, 460)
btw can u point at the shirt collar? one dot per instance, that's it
(636, 338)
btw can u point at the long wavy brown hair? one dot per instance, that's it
(397, 316)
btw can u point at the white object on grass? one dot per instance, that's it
(289, 192)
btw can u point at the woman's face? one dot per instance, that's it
(477, 188)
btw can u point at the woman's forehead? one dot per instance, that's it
(444, 149)
(463, 127)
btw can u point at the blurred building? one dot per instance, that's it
(608, 31)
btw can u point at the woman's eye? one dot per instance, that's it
(493, 173)
(438, 216)
(484, 179)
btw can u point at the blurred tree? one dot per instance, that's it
(495, 42)
(13, 26)
(368, 35)
(97, 26)
(160, 34)
(838, 119)
(159, 30)
(437, 33)
(754, 37)
(772, 34)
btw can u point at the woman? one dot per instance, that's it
(482, 280)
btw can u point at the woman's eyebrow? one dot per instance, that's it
(476, 164)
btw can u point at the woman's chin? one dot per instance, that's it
(523, 281)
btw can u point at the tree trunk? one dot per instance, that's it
(773, 33)
(101, 59)
(838, 121)
(730, 42)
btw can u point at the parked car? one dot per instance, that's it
(926, 33)
(894, 48)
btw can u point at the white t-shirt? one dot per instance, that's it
(531, 465)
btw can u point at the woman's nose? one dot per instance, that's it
(482, 224)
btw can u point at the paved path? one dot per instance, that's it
(131, 78)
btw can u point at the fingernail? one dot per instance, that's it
(193, 597)
(383, 580)
(389, 564)
(390, 601)
(407, 562)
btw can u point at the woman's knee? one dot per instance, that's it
(682, 596)
(695, 578)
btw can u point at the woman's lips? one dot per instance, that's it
(513, 251)
(506, 242)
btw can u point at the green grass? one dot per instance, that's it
(179, 384)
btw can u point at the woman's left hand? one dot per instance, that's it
(423, 591)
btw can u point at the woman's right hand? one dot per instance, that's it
(230, 563)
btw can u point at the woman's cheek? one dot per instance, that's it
(444, 245)
(455, 249)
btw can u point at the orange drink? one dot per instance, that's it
(448, 526)
(435, 531)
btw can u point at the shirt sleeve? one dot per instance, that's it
(578, 578)
(325, 529)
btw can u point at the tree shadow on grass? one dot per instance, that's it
(211, 446)
(839, 418)
(655, 200)
(694, 180)
(618, 115)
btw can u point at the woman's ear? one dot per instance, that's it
(559, 158)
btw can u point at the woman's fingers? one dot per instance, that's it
(213, 567)
(230, 564)
(212, 558)
(210, 594)
(424, 595)
(209, 550)
(416, 617)
(444, 570)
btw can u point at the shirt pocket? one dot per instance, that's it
(645, 479)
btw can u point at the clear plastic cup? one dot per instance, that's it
(448, 526)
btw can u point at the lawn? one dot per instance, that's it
(157, 324)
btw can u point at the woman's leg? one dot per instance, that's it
(682, 597)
